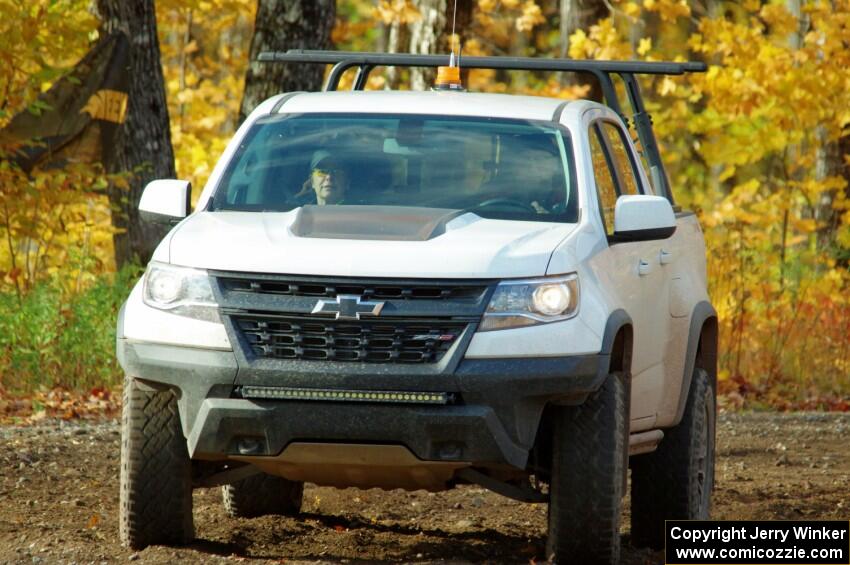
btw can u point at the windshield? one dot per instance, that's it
(504, 169)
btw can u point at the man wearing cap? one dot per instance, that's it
(327, 182)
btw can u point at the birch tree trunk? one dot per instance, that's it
(143, 148)
(426, 37)
(830, 156)
(398, 41)
(430, 34)
(281, 25)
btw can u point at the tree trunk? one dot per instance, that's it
(398, 40)
(463, 18)
(830, 156)
(281, 25)
(576, 15)
(143, 149)
(425, 37)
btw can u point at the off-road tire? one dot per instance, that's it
(675, 481)
(586, 488)
(156, 479)
(261, 495)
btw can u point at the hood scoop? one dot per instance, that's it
(387, 223)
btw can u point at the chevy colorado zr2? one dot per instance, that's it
(423, 289)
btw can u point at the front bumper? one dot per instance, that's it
(494, 423)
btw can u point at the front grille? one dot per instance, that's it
(385, 341)
(367, 291)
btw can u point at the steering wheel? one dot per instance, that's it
(508, 202)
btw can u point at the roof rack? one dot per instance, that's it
(601, 70)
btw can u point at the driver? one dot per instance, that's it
(526, 175)
(327, 182)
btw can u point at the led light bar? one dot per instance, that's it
(338, 395)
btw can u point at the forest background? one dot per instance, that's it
(759, 147)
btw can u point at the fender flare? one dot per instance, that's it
(616, 321)
(702, 312)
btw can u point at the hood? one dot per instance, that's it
(362, 241)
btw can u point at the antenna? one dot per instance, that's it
(448, 78)
(454, 21)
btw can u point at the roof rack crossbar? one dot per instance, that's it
(600, 70)
(646, 135)
(353, 59)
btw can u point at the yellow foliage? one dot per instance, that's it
(403, 11)
(603, 41)
(39, 41)
(204, 77)
(531, 16)
(632, 9)
(669, 10)
(55, 224)
(497, 21)
(487, 5)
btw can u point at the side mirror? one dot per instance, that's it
(642, 217)
(166, 201)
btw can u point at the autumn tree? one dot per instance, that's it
(281, 25)
(143, 146)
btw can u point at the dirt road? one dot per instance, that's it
(59, 499)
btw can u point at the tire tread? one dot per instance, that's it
(262, 495)
(156, 482)
(587, 477)
(663, 481)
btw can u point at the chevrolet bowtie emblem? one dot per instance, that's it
(348, 307)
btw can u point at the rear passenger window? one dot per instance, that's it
(622, 159)
(606, 184)
(613, 168)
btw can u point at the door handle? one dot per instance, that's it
(666, 257)
(644, 268)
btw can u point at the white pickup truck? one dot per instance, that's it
(423, 289)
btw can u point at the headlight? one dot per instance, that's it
(180, 290)
(516, 304)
